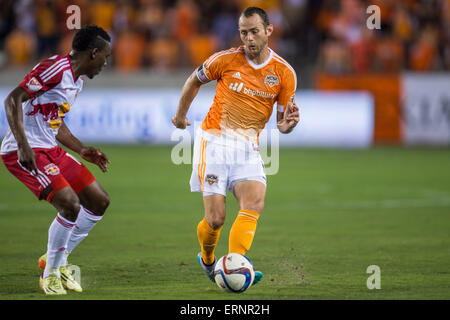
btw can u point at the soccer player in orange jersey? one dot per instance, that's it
(250, 80)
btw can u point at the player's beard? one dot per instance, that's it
(257, 51)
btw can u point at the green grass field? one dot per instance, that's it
(329, 215)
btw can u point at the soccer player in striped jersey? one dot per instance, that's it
(250, 80)
(35, 111)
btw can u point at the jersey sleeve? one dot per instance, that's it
(41, 79)
(211, 69)
(288, 87)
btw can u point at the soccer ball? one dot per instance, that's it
(234, 273)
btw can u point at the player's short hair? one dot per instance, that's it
(250, 11)
(90, 37)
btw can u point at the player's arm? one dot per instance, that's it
(14, 114)
(288, 119)
(287, 111)
(91, 154)
(188, 93)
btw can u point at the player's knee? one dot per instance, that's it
(103, 203)
(216, 222)
(69, 206)
(99, 203)
(256, 205)
(215, 218)
(106, 201)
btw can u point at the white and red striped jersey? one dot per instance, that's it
(53, 89)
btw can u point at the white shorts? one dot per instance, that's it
(219, 163)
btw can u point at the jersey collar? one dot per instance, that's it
(71, 68)
(258, 66)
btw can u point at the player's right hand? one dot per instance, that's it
(27, 159)
(180, 123)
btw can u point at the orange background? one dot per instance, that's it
(386, 92)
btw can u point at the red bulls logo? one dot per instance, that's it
(51, 169)
(48, 110)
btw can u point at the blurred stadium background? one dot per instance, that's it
(359, 199)
(402, 67)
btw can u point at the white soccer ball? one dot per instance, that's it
(234, 273)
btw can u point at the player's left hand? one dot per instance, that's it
(292, 115)
(94, 155)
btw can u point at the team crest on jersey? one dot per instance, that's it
(271, 80)
(51, 169)
(211, 179)
(34, 85)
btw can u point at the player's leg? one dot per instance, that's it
(94, 201)
(63, 200)
(250, 195)
(248, 184)
(93, 198)
(208, 231)
(209, 176)
(50, 185)
(67, 203)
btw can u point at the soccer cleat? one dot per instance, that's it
(67, 279)
(42, 261)
(209, 269)
(51, 285)
(258, 277)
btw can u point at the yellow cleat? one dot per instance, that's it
(67, 279)
(51, 285)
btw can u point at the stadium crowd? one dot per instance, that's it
(162, 35)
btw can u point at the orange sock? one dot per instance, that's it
(208, 238)
(243, 231)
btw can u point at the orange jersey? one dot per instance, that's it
(246, 92)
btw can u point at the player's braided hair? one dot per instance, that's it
(250, 11)
(90, 37)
